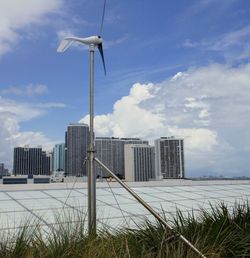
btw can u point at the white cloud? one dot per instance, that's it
(176, 76)
(234, 44)
(13, 113)
(51, 105)
(232, 38)
(28, 90)
(16, 15)
(19, 111)
(189, 44)
(203, 5)
(128, 118)
(117, 41)
(207, 106)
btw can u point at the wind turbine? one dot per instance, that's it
(92, 42)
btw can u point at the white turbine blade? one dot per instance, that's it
(64, 45)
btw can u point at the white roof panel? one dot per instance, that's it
(44, 202)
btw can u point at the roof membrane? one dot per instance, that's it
(115, 206)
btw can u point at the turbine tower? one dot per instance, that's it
(92, 42)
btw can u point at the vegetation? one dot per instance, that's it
(220, 232)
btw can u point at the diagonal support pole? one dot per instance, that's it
(149, 208)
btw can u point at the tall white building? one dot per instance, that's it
(110, 151)
(139, 162)
(169, 158)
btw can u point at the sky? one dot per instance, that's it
(174, 68)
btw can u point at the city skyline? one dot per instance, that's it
(181, 68)
(132, 159)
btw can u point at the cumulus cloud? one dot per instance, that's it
(15, 16)
(128, 118)
(13, 113)
(207, 106)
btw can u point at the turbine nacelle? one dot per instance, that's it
(93, 41)
(67, 42)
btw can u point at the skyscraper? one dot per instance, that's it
(77, 138)
(59, 157)
(169, 157)
(110, 151)
(31, 161)
(139, 162)
(46, 164)
(3, 171)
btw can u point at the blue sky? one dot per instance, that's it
(150, 48)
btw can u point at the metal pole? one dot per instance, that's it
(149, 208)
(91, 154)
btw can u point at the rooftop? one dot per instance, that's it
(115, 206)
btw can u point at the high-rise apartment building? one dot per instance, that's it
(3, 171)
(31, 161)
(110, 151)
(139, 162)
(59, 157)
(76, 144)
(46, 163)
(169, 157)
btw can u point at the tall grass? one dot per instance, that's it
(219, 232)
